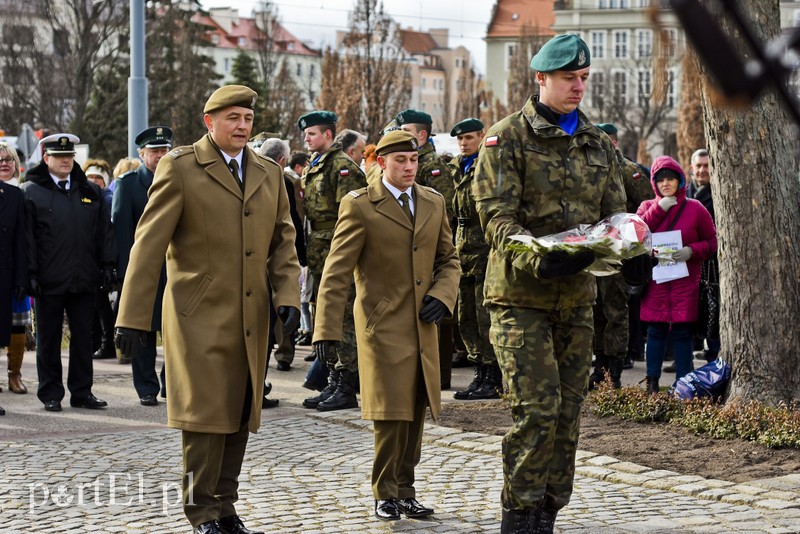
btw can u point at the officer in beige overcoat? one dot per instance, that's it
(219, 212)
(394, 236)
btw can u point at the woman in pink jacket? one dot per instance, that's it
(670, 308)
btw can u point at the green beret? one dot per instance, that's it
(412, 116)
(316, 118)
(155, 137)
(396, 141)
(466, 126)
(608, 128)
(562, 52)
(231, 95)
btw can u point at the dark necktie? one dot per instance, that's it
(63, 184)
(234, 167)
(406, 205)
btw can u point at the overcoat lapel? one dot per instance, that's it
(255, 174)
(215, 167)
(386, 204)
(423, 206)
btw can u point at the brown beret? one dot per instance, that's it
(231, 95)
(396, 141)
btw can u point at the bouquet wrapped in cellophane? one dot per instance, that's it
(613, 240)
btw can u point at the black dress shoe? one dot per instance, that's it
(233, 525)
(149, 400)
(284, 366)
(386, 510)
(91, 402)
(52, 406)
(105, 353)
(269, 403)
(2, 411)
(413, 508)
(209, 527)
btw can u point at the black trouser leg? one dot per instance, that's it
(143, 367)
(49, 321)
(80, 312)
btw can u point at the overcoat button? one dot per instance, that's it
(419, 282)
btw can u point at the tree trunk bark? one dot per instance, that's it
(756, 199)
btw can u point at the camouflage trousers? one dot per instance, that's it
(473, 320)
(346, 352)
(611, 317)
(545, 358)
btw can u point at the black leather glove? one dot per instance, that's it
(107, 278)
(326, 351)
(638, 270)
(290, 317)
(128, 340)
(433, 310)
(34, 289)
(560, 263)
(19, 293)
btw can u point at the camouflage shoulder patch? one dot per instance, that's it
(432, 190)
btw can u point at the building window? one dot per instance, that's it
(214, 39)
(597, 88)
(614, 4)
(227, 67)
(645, 88)
(621, 44)
(17, 34)
(290, 46)
(796, 17)
(672, 88)
(299, 70)
(511, 50)
(424, 82)
(644, 43)
(619, 86)
(642, 3)
(242, 41)
(670, 44)
(598, 44)
(311, 71)
(424, 106)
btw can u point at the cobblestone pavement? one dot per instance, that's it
(118, 470)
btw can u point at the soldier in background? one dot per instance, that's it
(541, 304)
(331, 175)
(612, 319)
(473, 252)
(352, 143)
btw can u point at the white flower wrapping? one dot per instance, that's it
(614, 239)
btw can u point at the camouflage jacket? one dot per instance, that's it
(533, 178)
(434, 172)
(636, 181)
(470, 243)
(325, 183)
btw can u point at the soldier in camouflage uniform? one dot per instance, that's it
(473, 317)
(331, 175)
(611, 316)
(434, 172)
(542, 170)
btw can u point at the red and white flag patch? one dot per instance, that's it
(344, 172)
(436, 172)
(491, 141)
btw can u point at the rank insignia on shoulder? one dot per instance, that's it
(491, 141)
(177, 152)
(436, 172)
(432, 190)
(344, 172)
(355, 194)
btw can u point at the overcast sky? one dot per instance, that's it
(317, 20)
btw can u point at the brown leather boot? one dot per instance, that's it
(16, 350)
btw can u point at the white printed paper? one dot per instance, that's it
(664, 245)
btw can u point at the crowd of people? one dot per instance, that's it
(385, 256)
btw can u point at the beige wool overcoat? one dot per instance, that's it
(395, 264)
(224, 251)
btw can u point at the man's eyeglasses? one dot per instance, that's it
(6, 160)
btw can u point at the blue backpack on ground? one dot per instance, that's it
(709, 380)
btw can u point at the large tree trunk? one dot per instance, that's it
(756, 198)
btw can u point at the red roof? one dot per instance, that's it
(417, 42)
(509, 16)
(283, 41)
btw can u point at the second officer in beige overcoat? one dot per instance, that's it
(406, 274)
(220, 214)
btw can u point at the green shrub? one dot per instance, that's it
(774, 427)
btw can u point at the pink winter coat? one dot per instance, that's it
(676, 301)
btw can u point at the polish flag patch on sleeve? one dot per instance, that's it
(491, 141)
(344, 172)
(436, 172)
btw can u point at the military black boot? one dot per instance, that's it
(477, 380)
(652, 385)
(345, 395)
(615, 366)
(600, 369)
(518, 521)
(333, 381)
(492, 384)
(545, 521)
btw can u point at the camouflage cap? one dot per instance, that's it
(316, 118)
(412, 116)
(154, 137)
(231, 95)
(466, 126)
(608, 128)
(396, 141)
(562, 52)
(60, 144)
